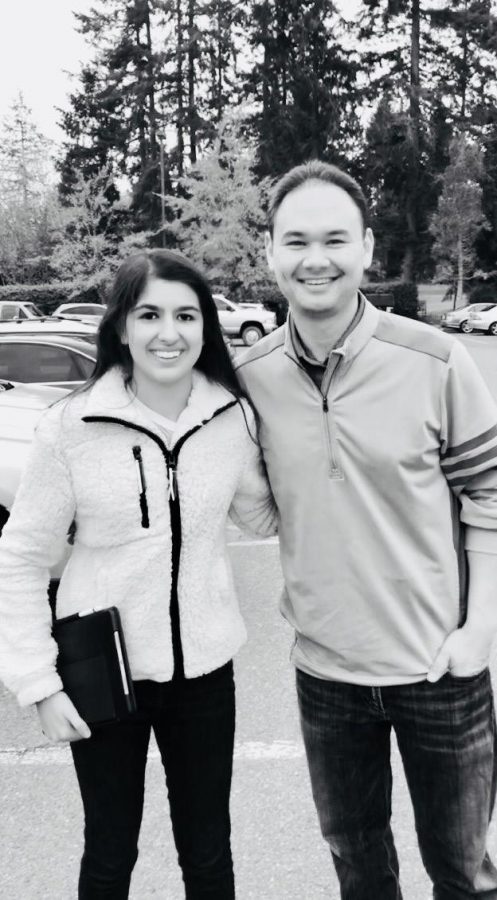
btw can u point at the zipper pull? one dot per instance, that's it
(325, 404)
(171, 478)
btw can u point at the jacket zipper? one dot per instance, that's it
(171, 459)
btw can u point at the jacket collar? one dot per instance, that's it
(109, 398)
(355, 339)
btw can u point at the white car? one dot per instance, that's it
(49, 325)
(459, 318)
(84, 312)
(20, 408)
(483, 320)
(248, 321)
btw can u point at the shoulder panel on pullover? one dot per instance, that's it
(264, 347)
(413, 336)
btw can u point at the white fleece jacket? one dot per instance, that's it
(82, 466)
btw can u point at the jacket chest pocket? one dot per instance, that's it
(121, 489)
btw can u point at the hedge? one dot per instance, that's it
(404, 296)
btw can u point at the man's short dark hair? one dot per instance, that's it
(315, 171)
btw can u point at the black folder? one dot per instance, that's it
(93, 665)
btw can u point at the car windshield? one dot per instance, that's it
(34, 309)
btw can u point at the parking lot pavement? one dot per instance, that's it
(278, 851)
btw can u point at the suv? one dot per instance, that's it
(248, 321)
(53, 359)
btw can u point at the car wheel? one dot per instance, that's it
(250, 334)
(493, 328)
(466, 327)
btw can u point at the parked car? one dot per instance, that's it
(48, 325)
(52, 359)
(84, 312)
(20, 409)
(459, 318)
(10, 309)
(483, 320)
(248, 321)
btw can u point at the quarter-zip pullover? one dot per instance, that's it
(382, 478)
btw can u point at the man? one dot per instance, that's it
(380, 440)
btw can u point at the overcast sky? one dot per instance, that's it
(38, 45)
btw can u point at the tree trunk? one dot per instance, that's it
(192, 111)
(410, 258)
(460, 271)
(152, 118)
(179, 90)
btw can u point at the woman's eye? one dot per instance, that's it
(149, 314)
(186, 317)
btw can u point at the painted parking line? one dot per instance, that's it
(253, 542)
(54, 755)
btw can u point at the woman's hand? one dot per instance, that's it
(60, 720)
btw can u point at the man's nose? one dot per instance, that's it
(315, 256)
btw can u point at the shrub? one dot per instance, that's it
(405, 303)
(402, 296)
(46, 296)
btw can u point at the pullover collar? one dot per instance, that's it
(352, 342)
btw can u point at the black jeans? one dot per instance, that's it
(446, 737)
(194, 724)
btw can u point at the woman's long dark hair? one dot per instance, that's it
(129, 283)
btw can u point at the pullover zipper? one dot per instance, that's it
(171, 460)
(334, 469)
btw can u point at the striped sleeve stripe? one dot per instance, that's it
(470, 462)
(462, 480)
(473, 444)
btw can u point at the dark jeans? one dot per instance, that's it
(194, 724)
(446, 737)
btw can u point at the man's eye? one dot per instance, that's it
(335, 242)
(295, 243)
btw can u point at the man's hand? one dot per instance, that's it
(60, 720)
(465, 652)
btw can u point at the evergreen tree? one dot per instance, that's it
(26, 195)
(304, 84)
(220, 221)
(459, 215)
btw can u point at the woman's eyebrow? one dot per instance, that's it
(154, 308)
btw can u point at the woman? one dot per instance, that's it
(147, 461)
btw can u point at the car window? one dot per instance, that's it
(33, 308)
(221, 304)
(86, 365)
(37, 362)
(9, 311)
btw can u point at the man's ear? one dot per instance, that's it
(268, 243)
(368, 242)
